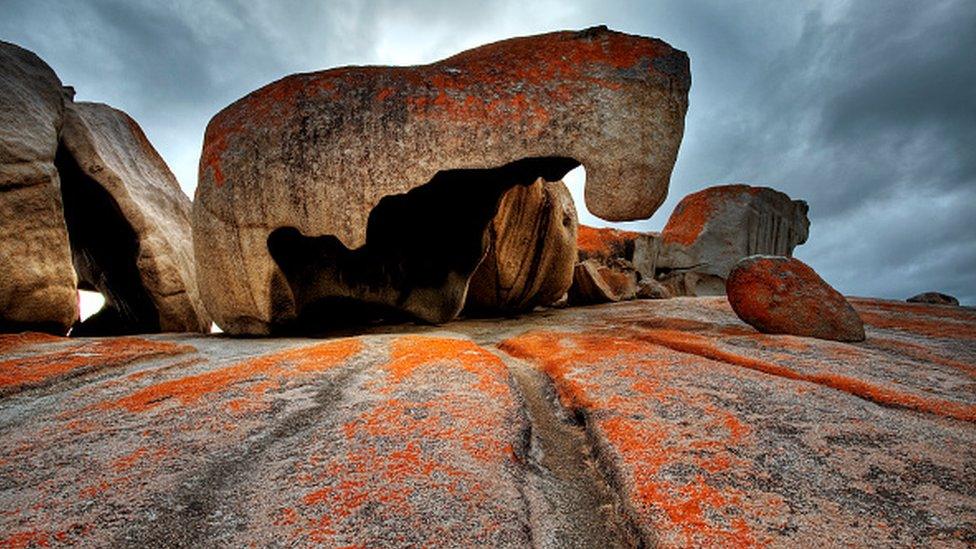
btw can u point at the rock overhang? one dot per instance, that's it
(319, 151)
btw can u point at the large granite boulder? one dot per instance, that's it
(129, 226)
(531, 251)
(375, 184)
(710, 230)
(87, 203)
(783, 295)
(37, 286)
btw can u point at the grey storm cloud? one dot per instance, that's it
(865, 109)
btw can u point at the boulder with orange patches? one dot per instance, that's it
(781, 295)
(710, 230)
(330, 155)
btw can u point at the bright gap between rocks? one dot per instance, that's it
(89, 303)
(575, 180)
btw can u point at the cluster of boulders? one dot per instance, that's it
(86, 202)
(708, 232)
(416, 191)
(371, 193)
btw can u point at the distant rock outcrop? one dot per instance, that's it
(376, 184)
(934, 298)
(531, 251)
(782, 295)
(86, 202)
(712, 229)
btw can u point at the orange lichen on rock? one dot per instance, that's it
(942, 328)
(886, 396)
(435, 424)
(622, 384)
(783, 295)
(17, 374)
(693, 212)
(10, 342)
(963, 314)
(274, 368)
(603, 242)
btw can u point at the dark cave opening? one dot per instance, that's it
(104, 250)
(414, 240)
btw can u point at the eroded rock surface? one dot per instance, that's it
(667, 422)
(375, 184)
(531, 251)
(85, 201)
(37, 287)
(599, 282)
(129, 226)
(712, 229)
(783, 295)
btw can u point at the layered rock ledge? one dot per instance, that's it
(668, 422)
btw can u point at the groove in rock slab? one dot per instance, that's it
(571, 502)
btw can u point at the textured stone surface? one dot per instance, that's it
(598, 282)
(648, 288)
(531, 251)
(86, 201)
(710, 230)
(322, 160)
(668, 422)
(935, 298)
(37, 286)
(781, 295)
(110, 149)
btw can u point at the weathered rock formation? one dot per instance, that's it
(623, 259)
(531, 251)
(710, 433)
(86, 202)
(129, 226)
(782, 295)
(710, 230)
(37, 285)
(596, 281)
(375, 184)
(934, 298)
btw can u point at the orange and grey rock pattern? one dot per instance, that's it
(668, 422)
(321, 152)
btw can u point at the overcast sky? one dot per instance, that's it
(865, 109)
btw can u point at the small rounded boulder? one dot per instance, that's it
(783, 295)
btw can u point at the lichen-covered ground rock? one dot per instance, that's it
(129, 225)
(934, 298)
(667, 422)
(85, 201)
(783, 295)
(710, 230)
(375, 184)
(531, 251)
(37, 285)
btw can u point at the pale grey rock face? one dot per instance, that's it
(86, 201)
(140, 258)
(710, 230)
(37, 284)
(342, 184)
